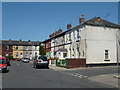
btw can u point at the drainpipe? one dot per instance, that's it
(85, 46)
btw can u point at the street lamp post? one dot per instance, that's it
(117, 43)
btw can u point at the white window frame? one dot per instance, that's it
(108, 55)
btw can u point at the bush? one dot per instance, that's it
(10, 57)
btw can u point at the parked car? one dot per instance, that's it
(8, 61)
(41, 61)
(3, 65)
(26, 60)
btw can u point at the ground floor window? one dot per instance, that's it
(21, 55)
(17, 55)
(106, 55)
(26, 54)
(7, 54)
(10, 54)
(64, 55)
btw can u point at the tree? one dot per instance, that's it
(42, 50)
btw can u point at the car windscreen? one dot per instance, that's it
(26, 58)
(7, 59)
(43, 58)
(1, 61)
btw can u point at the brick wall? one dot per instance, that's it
(75, 62)
(4, 51)
(0, 49)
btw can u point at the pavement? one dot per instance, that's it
(107, 79)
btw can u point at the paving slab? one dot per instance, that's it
(108, 79)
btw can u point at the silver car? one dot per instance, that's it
(26, 60)
(41, 61)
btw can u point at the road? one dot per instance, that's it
(23, 75)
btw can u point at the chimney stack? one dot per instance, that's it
(82, 19)
(60, 30)
(69, 26)
(29, 41)
(20, 40)
(10, 40)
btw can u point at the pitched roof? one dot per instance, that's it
(96, 21)
(19, 43)
(101, 22)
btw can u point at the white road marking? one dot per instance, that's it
(85, 76)
(80, 76)
(77, 75)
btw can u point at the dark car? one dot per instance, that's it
(41, 61)
(3, 65)
(8, 61)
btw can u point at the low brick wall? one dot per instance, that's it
(16, 59)
(75, 62)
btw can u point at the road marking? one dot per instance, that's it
(77, 75)
(80, 76)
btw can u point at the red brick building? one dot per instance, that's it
(5, 48)
(47, 43)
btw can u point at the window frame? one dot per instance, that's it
(106, 55)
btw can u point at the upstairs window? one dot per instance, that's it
(27, 48)
(16, 48)
(78, 35)
(69, 36)
(7, 47)
(35, 47)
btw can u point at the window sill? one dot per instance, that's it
(107, 60)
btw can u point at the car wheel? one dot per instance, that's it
(47, 67)
(8, 64)
(34, 66)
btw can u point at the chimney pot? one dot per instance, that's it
(28, 40)
(20, 40)
(69, 26)
(10, 40)
(82, 19)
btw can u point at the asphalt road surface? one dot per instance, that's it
(94, 71)
(23, 75)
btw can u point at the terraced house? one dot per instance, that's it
(94, 42)
(20, 49)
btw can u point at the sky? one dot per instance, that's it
(35, 21)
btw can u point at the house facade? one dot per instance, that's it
(95, 40)
(17, 51)
(6, 49)
(20, 49)
(118, 45)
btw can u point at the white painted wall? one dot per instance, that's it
(35, 50)
(81, 44)
(118, 34)
(52, 49)
(93, 43)
(97, 40)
